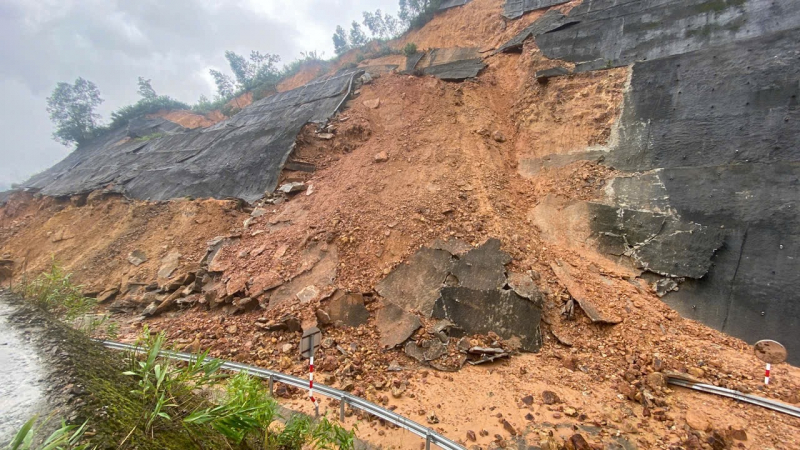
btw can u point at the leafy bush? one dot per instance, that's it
(54, 291)
(66, 437)
(416, 13)
(122, 116)
(72, 111)
(410, 49)
(243, 415)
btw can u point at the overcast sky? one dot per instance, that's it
(112, 42)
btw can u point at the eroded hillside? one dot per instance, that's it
(550, 183)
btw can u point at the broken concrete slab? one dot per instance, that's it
(524, 286)
(482, 268)
(137, 258)
(347, 309)
(169, 264)
(318, 269)
(498, 310)
(452, 64)
(454, 246)
(514, 9)
(429, 350)
(415, 286)
(587, 304)
(548, 22)
(456, 70)
(543, 76)
(395, 325)
(290, 188)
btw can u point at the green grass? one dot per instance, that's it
(55, 292)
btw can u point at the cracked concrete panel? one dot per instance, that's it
(548, 22)
(317, 279)
(498, 310)
(347, 309)
(482, 267)
(415, 286)
(514, 9)
(395, 325)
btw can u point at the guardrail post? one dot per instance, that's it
(428, 441)
(271, 382)
(341, 408)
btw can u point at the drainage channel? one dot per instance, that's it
(430, 436)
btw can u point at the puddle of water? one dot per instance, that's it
(21, 381)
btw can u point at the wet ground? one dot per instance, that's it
(21, 380)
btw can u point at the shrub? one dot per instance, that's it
(122, 116)
(66, 437)
(53, 291)
(410, 49)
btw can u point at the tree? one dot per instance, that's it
(264, 68)
(357, 36)
(380, 25)
(240, 66)
(340, 43)
(146, 90)
(72, 110)
(224, 84)
(415, 13)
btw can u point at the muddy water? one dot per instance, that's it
(21, 384)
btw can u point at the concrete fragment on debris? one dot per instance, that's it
(395, 325)
(583, 299)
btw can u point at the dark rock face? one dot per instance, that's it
(710, 137)
(241, 157)
(347, 310)
(415, 286)
(501, 311)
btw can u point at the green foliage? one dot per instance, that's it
(381, 26)
(410, 49)
(72, 111)
(146, 90)
(66, 437)
(340, 43)
(357, 36)
(416, 13)
(258, 70)
(243, 415)
(224, 84)
(122, 116)
(53, 291)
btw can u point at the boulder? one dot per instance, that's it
(395, 325)
(347, 309)
(169, 264)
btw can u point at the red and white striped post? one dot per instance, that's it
(308, 345)
(766, 375)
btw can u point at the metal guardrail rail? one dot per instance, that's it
(430, 436)
(736, 395)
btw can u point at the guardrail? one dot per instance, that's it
(736, 395)
(430, 436)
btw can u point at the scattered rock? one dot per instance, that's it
(664, 286)
(577, 442)
(381, 157)
(323, 318)
(150, 310)
(509, 428)
(527, 400)
(287, 348)
(432, 419)
(570, 412)
(696, 372)
(697, 420)
(290, 188)
(107, 295)
(656, 380)
(372, 104)
(550, 398)
(471, 436)
(498, 136)
(325, 136)
(397, 391)
(137, 258)
(308, 294)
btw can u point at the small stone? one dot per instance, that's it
(577, 442)
(471, 436)
(150, 310)
(372, 104)
(528, 400)
(697, 420)
(738, 434)
(550, 398)
(381, 157)
(397, 391)
(570, 412)
(696, 372)
(137, 258)
(529, 417)
(233, 329)
(432, 419)
(509, 428)
(258, 212)
(656, 380)
(498, 136)
(287, 348)
(290, 188)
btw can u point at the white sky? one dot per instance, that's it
(113, 42)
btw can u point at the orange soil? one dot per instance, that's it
(309, 72)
